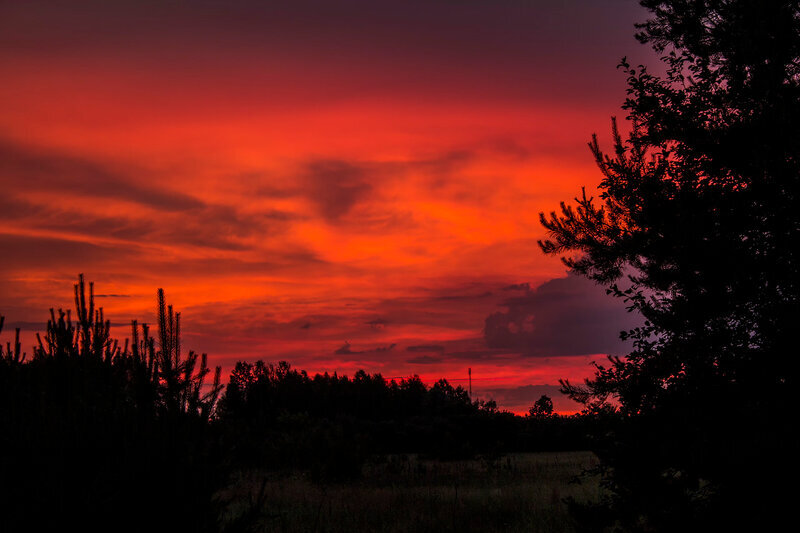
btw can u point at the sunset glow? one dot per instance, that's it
(340, 187)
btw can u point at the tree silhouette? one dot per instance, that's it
(11, 356)
(543, 407)
(88, 337)
(181, 380)
(88, 428)
(696, 227)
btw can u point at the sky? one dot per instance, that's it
(340, 185)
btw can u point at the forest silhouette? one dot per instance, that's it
(695, 227)
(94, 429)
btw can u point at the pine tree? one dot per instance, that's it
(89, 428)
(696, 227)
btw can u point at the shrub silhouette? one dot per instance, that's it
(91, 430)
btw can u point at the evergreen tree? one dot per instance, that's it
(96, 435)
(697, 228)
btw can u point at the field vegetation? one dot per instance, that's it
(404, 493)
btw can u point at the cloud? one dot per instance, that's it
(354, 191)
(426, 348)
(482, 355)
(210, 226)
(335, 186)
(564, 316)
(449, 297)
(385, 348)
(64, 254)
(450, 307)
(424, 360)
(377, 324)
(54, 171)
(288, 262)
(26, 325)
(90, 190)
(346, 350)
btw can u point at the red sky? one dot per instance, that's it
(342, 185)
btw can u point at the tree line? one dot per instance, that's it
(93, 429)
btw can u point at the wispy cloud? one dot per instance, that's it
(59, 173)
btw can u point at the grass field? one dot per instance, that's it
(518, 492)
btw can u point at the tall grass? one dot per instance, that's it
(519, 492)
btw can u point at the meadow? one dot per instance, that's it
(398, 493)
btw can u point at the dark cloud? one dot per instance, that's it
(437, 348)
(53, 171)
(26, 325)
(518, 287)
(454, 306)
(215, 226)
(386, 348)
(346, 350)
(377, 324)
(340, 189)
(300, 262)
(222, 227)
(62, 218)
(482, 355)
(564, 316)
(449, 297)
(62, 254)
(180, 218)
(424, 360)
(336, 186)
(440, 168)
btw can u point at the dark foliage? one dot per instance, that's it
(329, 424)
(541, 408)
(697, 228)
(94, 435)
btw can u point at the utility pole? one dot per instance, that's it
(469, 371)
